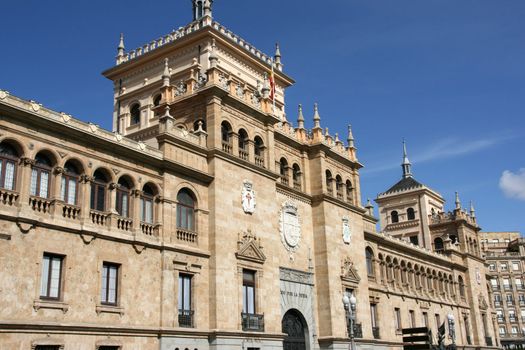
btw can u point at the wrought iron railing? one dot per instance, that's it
(375, 332)
(186, 318)
(252, 322)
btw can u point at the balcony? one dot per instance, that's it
(375, 332)
(259, 160)
(186, 318)
(510, 302)
(8, 197)
(501, 319)
(42, 205)
(513, 319)
(497, 303)
(284, 180)
(186, 235)
(243, 154)
(297, 185)
(488, 341)
(226, 147)
(507, 288)
(252, 322)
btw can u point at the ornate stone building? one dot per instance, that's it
(205, 220)
(505, 253)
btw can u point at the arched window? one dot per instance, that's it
(394, 216)
(461, 287)
(226, 137)
(8, 159)
(243, 144)
(438, 244)
(283, 171)
(134, 113)
(40, 176)
(259, 151)
(349, 191)
(339, 187)
(146, 204)
(296, 175)
(411, 215)
(369, 261)
(98, 191)
(69, 184)
(156, 100)
(329, 180)
(185, 210)
(123, 192)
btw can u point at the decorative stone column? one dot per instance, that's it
(24, 182)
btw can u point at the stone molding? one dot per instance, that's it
(296, 276)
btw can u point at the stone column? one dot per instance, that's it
(23, 184)
(135, 211)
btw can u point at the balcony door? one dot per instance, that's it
(294, 326)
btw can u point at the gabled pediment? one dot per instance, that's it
(250, 249)
(349, 272)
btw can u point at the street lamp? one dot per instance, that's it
(349, 304)
(451, 329)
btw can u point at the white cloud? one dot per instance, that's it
(513, 184)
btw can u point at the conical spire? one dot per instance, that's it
(300, 118)
(121, 46)
(277, 57)
(458, 202)
(317, 117)
(350, 138)
(166, 73)
(472, 210)
(406, 163)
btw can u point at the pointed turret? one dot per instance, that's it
(406, 163)
(472, 210)
(277, 57)
(350, 138)
(458, 202)
(369, 207)
(121, 48)
(300, 118)
(166, 73)
(214, 59)
(317, 117)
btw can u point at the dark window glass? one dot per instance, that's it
(395, 216)
(411, 215)
(40, 176)
(98, 192)
(369, 261)
(69, 184)
(135, 114)
(185, 211)
(414, 240)
(123, 195)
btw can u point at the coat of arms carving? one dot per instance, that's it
(348, 271)
(248, 197)
(347, 231)
(250, 248)
(290, 226)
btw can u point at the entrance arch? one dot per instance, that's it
(296, 330)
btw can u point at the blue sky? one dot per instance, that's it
(446, 75)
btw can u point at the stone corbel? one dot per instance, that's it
(26, 226)
(45, 304)
(87, 237)
(86, 179)
(139, 248)
(113, 186)
(58, 170)
(109, 309)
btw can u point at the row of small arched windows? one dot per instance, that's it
(243, 143)
(410, 213)
(391, 270)
(341, 188)
(43, 170)
(135, 110)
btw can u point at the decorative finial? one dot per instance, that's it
(214, 59)
(350, 138)
(326, 133)
(458, 202)
(406, 163)
(202, 8)
(121, 46)
(166, 73)
(300, 118)
(472, 210)
(369, 207)
(317, 117)
(337, 138)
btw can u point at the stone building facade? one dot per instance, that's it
(505, 253)
(205, 220)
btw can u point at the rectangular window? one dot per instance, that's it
(47, 347)
(414, 240)
(373, 315)
(502, 330)
(109, 289)
(185, 301)
(492, 267)
(438, 320)
(412, 318)
(504, 266)
(397, 314)
(109, 348)
(425, 319)
(248, 292)
(515, 266)
(51, 276)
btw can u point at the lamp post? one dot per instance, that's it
(350, 304)
(451, 329)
